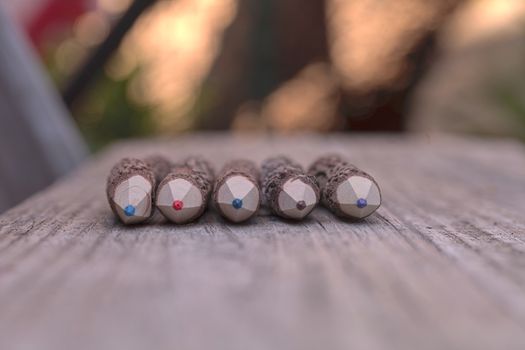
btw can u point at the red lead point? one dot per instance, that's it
(178, 205)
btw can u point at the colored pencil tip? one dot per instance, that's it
(237, 203)
(180, 201)
(238, 198)
(361, 203)
(132, 200)
(358, 196)
(297, 199)
(178, 205)
(129, 210)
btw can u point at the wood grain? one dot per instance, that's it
(441, 265)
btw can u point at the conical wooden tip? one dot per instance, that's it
(297, 199)
(358, 196)
(180, 201)
(132, 200)
(238, 198)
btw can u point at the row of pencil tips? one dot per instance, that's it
(181, 191)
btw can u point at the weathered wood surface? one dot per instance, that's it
(441, 265)
(38, 139)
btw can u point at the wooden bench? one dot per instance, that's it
(441, 265)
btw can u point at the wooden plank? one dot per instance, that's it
(439, 266)
(38, 139)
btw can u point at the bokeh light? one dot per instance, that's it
(174, 45)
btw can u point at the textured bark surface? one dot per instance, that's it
(203, 169)
(438, 266)
(321, 168)
(242, 167)
(160, 166)
(330, 171)
(123, 170)
(275, 172)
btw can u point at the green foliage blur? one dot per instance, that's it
(509, 96)
(107, 113)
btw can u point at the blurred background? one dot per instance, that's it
(287, 65)
(137, 68)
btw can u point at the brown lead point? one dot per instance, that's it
(346, 190)
(183, 194)
(129, 190)
(236, 194)
(289, 192)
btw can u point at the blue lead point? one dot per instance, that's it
(237, 203)
(129, 210)
(361, 203)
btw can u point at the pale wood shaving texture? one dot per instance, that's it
(123, 170)
(275, 172)
(330, 171)
(197, 171)
(241, 167)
